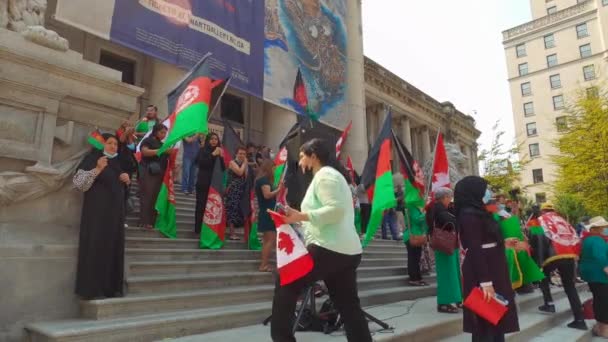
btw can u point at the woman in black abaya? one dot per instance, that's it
(101, 245)
(205, 160)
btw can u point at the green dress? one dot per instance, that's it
(522, 268)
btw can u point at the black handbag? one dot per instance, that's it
(444, 240)
(154, 168)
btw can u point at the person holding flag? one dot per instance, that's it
(327, 215)
(152, 173)
(266, 198)
(210, 151)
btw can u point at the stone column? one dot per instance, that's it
(372, 121)
(426, 144)
(406, 133)
(355, 145)
(277, 122)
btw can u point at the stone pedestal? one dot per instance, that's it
(49, 102)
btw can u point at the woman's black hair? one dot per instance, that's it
(157, 128)
(326, 153)
(208, 139)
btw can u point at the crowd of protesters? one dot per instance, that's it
(492, 236)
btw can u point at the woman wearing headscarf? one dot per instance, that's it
(153, 171)
(485, 263)
(327, 217)
(101, 245)
(449, 291)
(208, 154)
(593, 266)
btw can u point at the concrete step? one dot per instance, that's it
(413, 320)
(196, 299)
(154, 254)
(369, 267)
(181, 243)
(533, 323)
(183, 209)
(172, 324)
(211, 280)
(563, 333)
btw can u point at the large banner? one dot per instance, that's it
(181, 32)
(310, 36)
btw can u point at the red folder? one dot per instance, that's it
(492, 311)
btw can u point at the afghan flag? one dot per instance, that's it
(441, 169)
(280, 161)
(213, 227)
(293, 260)
(251, 224)
(412, 175)
(300, 97)
(351, 170)
(342, 139)
(165, 202)
(191, 103)
(565, 242)
(96, 140)
(378, 170)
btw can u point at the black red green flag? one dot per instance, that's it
(214, 219)
(377, 177)
(412, 175)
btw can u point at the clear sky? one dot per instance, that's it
(451, 50)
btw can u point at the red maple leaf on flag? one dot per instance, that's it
(286, 243)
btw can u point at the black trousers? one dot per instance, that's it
(202, 191)
(366, 209)
(566, 269)
(488, 338)
(414, 254)
(339, 272)
(600, 301)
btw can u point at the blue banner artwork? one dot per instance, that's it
(181, 32)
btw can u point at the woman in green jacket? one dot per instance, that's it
(593, 266)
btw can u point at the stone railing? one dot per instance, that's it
(549, 19)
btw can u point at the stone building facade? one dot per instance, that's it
(52, 97)
(552, 60)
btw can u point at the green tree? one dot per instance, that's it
(583, 152)
(502, 168)
(570, 206)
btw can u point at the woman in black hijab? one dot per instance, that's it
(485, 263)
(102, 232)
(205, 160)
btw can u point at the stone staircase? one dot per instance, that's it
(175, 289)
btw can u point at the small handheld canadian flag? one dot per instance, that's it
(293, 260)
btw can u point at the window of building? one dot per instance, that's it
(551, 10)
(558, 102)
(585, 50)
(528, 109)
(526, 89)
(534, 150)
(549, 41)
(537, 176)
(556, 81)
(520, 50)
(589, 72)
(593, 91)
(552, 60)
(531, 129)
(523, 69)
(541, 197)
(122, 64)
(561, 123)
(581, 30)
(232, 108)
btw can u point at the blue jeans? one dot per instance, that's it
(389, 222)
(188, 174)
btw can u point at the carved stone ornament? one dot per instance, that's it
(27, 18)
(21, 186)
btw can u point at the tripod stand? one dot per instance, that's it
(309, 300)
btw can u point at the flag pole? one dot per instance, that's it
(429, 183)
(219, 99)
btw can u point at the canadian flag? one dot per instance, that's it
(342, 139)
(441, 169)
(293, 260)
